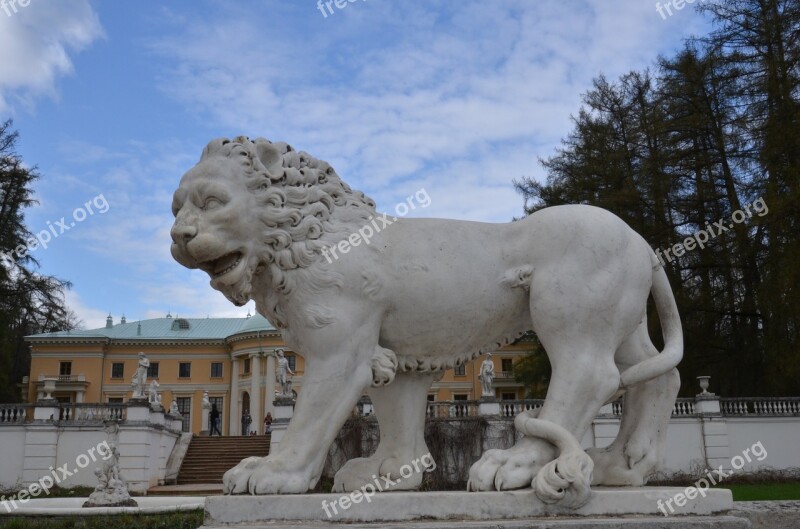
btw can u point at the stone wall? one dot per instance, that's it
(52, 437)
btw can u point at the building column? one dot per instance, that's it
(233, 405)
(79, 396)
(255, 393)
(269, 406)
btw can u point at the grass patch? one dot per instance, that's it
(181, 520)
(764, 491)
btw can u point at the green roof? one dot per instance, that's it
(170, 329)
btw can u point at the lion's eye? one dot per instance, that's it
(212, 203)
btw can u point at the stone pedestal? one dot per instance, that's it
(173, 422)
(609, 508)
(46, 410)
(205, 428)
(488, 407)
(284, 408)
(138, 410)
(714, 429)
(157, 415)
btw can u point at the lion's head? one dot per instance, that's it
(254, 207)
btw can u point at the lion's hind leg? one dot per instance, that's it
(402, 456)
(638, 449)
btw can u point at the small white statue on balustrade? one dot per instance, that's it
(173, 408)
(140, 379)
(154, 397)
(283, 374)
(486, 376)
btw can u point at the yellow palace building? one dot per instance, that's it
(231, 358)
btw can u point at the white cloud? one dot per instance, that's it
(91, 318)
(35, 46)
(448, 88)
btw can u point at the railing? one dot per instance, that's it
(511, 408)
(15, 413)
(683, 408)
(764, 406)
(453, 408)
(504, 375)
(63, 378)
(74, 412)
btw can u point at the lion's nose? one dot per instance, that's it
(183, 233)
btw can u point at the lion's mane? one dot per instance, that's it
(303, 207)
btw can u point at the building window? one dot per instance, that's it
(216, 370)
(459, 397)
(65, 369)
(507, 365)
(461, 370)
(117, 370)
(115, 400)
(185, 409)
(185, 370)
(509, 396)
(246, 366)
(219, 401)
(292, 359)
(152, 371)
(180, 324)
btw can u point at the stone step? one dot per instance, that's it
(626, 507)
(680, 522)
(208, 458)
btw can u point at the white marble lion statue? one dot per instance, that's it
(422, 296)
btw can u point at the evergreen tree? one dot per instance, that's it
(29, 302)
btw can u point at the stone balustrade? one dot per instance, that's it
(767, 406)
(63, 378)
(452, 409)
(88, 412)
(15, 413)
(511, 408)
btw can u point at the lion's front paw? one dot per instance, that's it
(262, 475)
(235, 480)
(510, 469)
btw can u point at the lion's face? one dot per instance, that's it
(214, 227)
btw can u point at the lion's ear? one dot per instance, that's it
(268, 155)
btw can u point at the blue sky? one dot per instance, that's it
(118, 98)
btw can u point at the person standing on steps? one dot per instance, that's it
(246, 420)
(268, 423)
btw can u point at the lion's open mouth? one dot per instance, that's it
(222, 265)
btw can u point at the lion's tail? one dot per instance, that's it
(670, 327)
